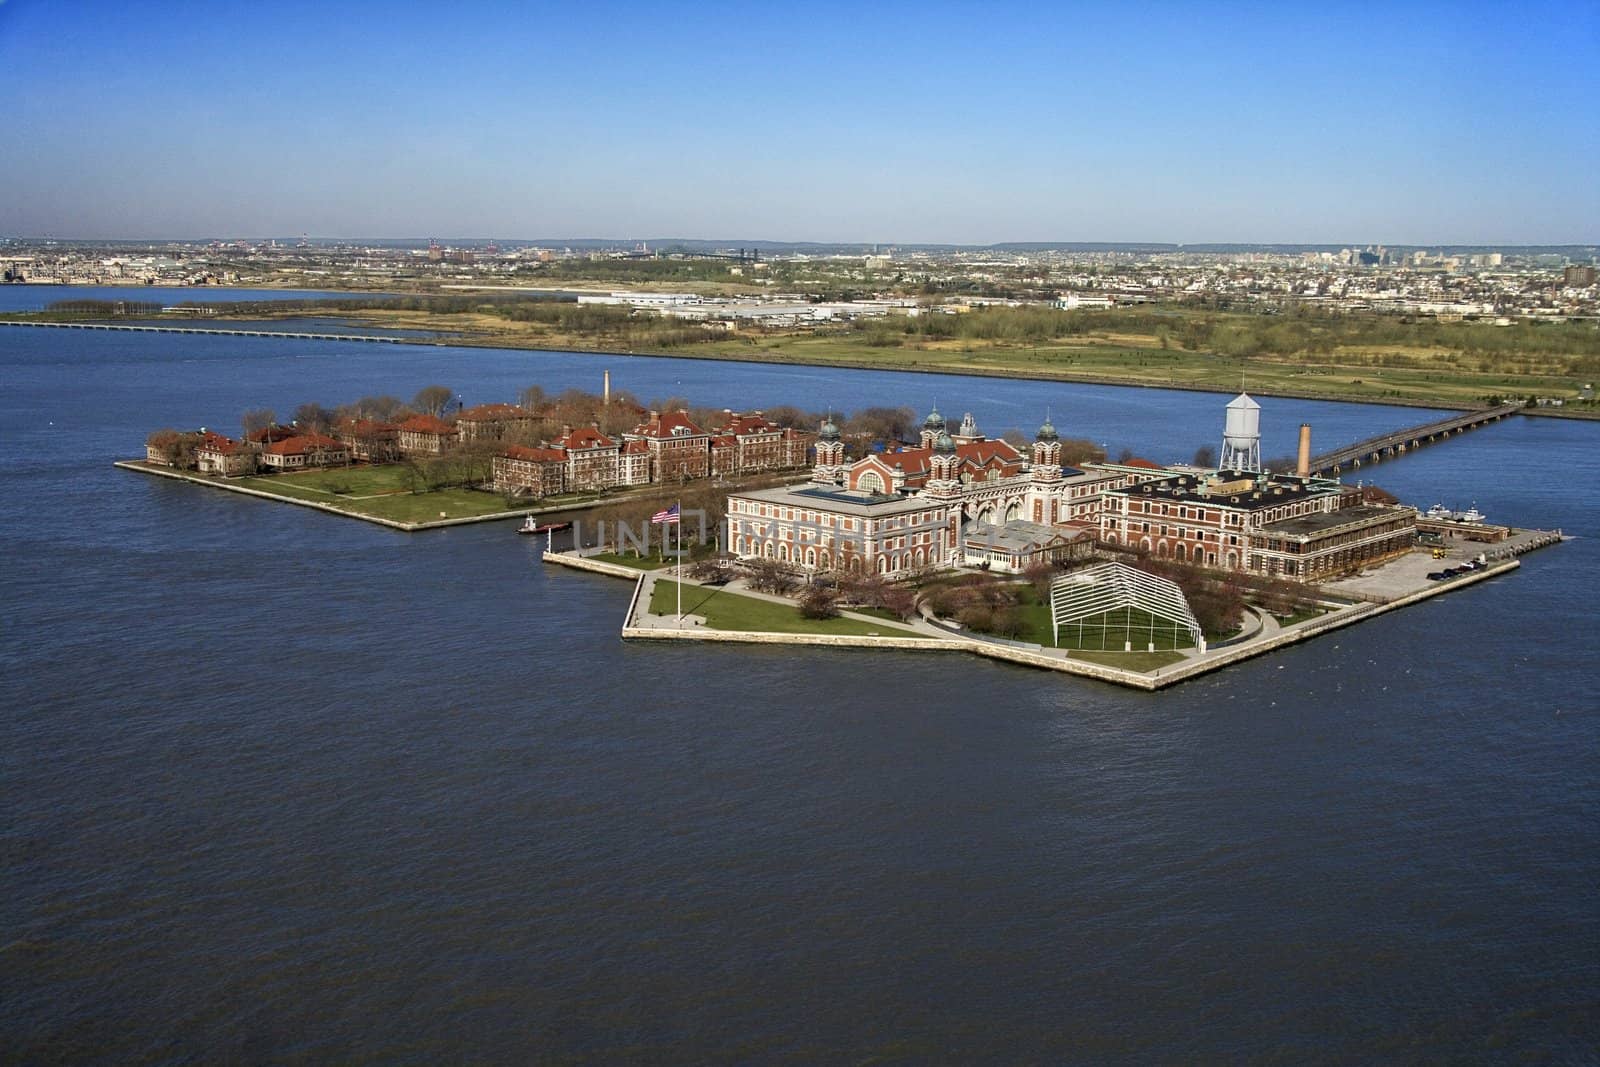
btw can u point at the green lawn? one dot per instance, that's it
(1301, 615)
(1130, 661)
(730, 611)
(378, 491)
(426, 507)
(347, 481)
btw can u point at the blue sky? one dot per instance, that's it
(970, 123)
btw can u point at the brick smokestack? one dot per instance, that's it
(1302, 466)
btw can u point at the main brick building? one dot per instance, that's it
(960, 498)
(893, 513)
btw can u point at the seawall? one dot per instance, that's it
(1159, 678)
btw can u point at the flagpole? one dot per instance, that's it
(679, 507)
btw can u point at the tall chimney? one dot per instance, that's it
(1303, 466)
(608, 389)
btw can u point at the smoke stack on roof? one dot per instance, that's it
(1302, 465)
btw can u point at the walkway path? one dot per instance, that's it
(643, 618)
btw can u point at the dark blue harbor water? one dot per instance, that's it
(280, 786)
(39, 297)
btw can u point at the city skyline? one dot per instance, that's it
(940, 124)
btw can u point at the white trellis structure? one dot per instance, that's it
(1097, 591)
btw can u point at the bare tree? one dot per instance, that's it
(819, 603)
(176, 449)
(258, 419)
(1076, 450)
(386, 408)
(314, 417)
(1205, 456)
(432, 399)
(770, 576)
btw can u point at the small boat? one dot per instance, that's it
(1472, 514)
(1439, 513)
(530, 527)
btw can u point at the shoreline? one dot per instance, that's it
(1113, 381)
(209, 482)
(564, 507)
(1148, 681)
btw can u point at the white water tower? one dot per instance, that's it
(1241, 435)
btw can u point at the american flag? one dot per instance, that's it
(670, 515)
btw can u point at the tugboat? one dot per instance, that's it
(530, 527)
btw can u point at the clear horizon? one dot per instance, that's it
(1464, 124)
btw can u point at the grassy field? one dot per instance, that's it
(380, 492)
(723, 610)
(1130, 661)
(1135, 355)
(1344, 357)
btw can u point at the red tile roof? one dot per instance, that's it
(366, 427)
(427, 424)
(736, 423)
(272, 433)
(216, 442)
(299, 446)
(663, 425)
(494, 413)
(536, 455)
(585, 437)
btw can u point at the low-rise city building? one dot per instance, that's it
(494, 422)
(531, 472)
(303, 451)
(426, 435)
(217, 454)
(1262, 523)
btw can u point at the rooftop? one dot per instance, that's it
(1262, 490)
(843, 501)
(1324, 521)
(1020, 535)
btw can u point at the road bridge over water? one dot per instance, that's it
(219, 331)
(1374, 449)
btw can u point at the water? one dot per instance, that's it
(284, 786)
(39, 297)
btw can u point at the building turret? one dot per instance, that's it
(968, 433)
(1047, 454)
(830, 466)
(943, 480)
(932, 427)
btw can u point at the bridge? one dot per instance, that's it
(221, 332)
(1374, 449)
